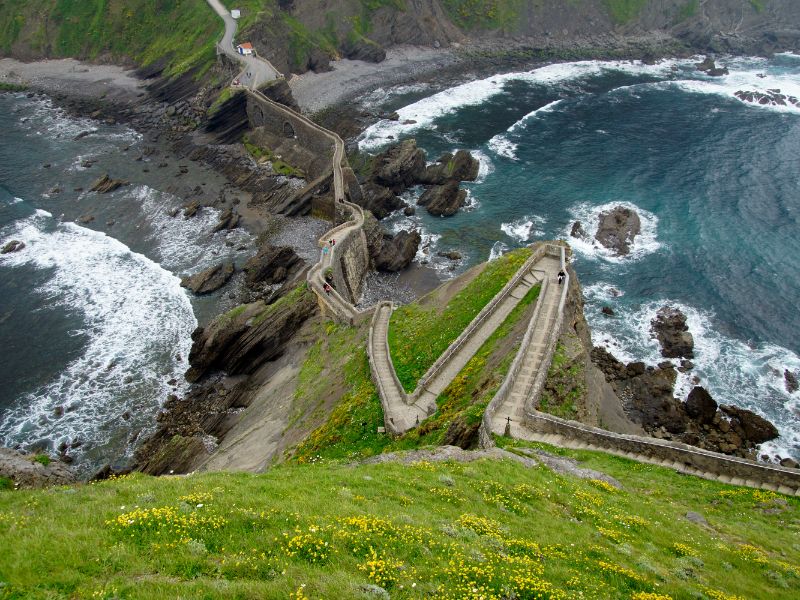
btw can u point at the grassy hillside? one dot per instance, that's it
(181, 32)
(488, 529)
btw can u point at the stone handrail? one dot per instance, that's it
(532, 395)
(704, 461)
(383, 394)
(475, 324)
(485, 432)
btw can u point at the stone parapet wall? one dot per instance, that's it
(350, 266)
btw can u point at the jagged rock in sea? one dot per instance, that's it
(752, 428)
(710, 67)
(210, 279)
(462, 167)
(105, 184)
(243, 339)
(229, 219)
(443, 200)
(772, 97)
(673, 334)
(577, 230)
(617, 228)
(399, 166)
(26, 472)
(451, 255)
(272, 264)
(790, 380)
(12, 246)
(398, 252)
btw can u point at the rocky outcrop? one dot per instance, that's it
(398, 252)
(241, 340)
(577, 230)
(12, 246)
(647, 396)
(709, 67)
(399, 166)
(669, 327)
(790, 379)
(361, 48)
(772, 97)
(379, 200)
(617, 229)
(229, 219)
(105, 184)
(271, 265)
(443, 200)
(460, 167)
(27, 472)
(209, 280)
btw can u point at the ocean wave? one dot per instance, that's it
(502, 146)
(485, 165)
(423, 113)
(136, 321)
(733, 371)
(498, 249)
(49, 120)
(645, 243)
(524, 229)
(182, 244)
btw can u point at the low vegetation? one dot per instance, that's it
(182, 33)
(421, 331)
(485, 14)
(624, 11)
(564, 387)
(279, 166)
(487, 529)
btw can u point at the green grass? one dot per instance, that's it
(419, 531)
(688, 10)
(42, 459)
(419, 333)
(758, 5)
(564, 386)
(181, 32)
(624, 11)
(6, 484)
(12, 87)
(485, 14)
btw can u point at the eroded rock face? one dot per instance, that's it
(700, 406)
(27, 473)
(229, 219)
(243, 339)
(443, 200)
(379, 200)
(105, 184)
(210, 279)
(398, 252)
(272, 264)
(752, 428)
(364, 49)
(673, 334)
(617, 229)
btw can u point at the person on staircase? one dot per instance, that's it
(561, 276)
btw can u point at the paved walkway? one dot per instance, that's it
(403, 411)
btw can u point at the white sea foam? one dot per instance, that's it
(136, 320)
(646, 242)
(185, 244)
(485, 165)
(498, 249)
(51, 121)
(524, 229)
(502, 146)
(423, 113)
(733, 371)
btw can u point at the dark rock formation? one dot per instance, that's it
(673, 334)
(577, 230)
(26, 472)
(709, 67)
(363, 49)
(608, 311)
(443, 200)
(700, 406)
(105, 184)
(12, 246)
(461, 433)
(451, 255)
(279, 90)
(272, 264)
(399, 167)
(398, 252)
(229, 219)
(461, 167)
(789, 463)
(752, 428)
(791, 381)
(379, 200)
(210, 279)
(617, 229)
(768, 98)
(241, 340)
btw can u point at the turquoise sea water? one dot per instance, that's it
(716, 181)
